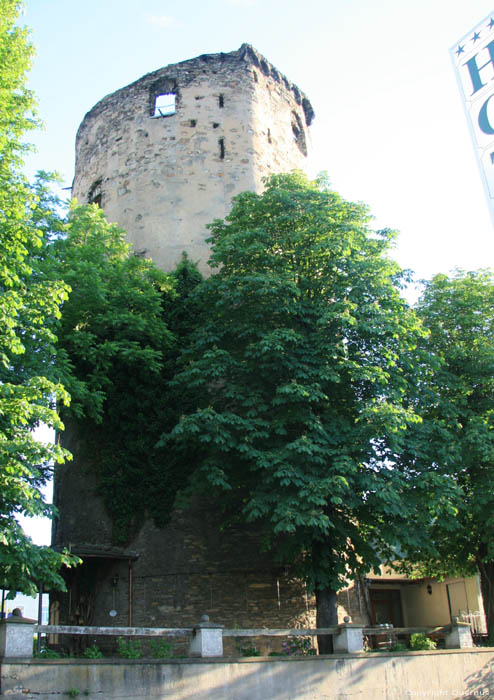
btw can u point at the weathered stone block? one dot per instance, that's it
(350, 639)
(460, 636)
(16, 637)
(207, 639)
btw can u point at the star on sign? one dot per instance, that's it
(491, 24)
(476, 37)
(460, 49)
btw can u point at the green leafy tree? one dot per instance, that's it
(115, 354)
(28, 306)
(300, 371)
(457, 433)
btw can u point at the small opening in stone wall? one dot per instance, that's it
(193, 122)
(269, 136)
(256, 79)
(221, 143)
(299, 133)
(165, 105)
(215, 125)
(296, 131)
(95, 194)
(221, 100)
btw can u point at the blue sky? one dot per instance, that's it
(389, 128)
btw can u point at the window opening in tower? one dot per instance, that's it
(165, 105)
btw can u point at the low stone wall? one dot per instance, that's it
(384, 676)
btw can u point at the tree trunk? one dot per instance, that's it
(326, 616)
(487, 587)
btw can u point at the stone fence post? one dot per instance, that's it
(16, 637)
(350, 639)
(207, 639)
(459, 636)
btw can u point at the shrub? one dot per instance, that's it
(298, 646)
(420, 642)
(160, 648)
(129, 649)
(92, 652)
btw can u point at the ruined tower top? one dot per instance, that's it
(165, 155)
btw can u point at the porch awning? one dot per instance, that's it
(88, 551)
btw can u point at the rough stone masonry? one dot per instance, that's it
(164, 156)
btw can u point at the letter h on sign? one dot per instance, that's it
(473, 59)
(477, 84)
(475, 69)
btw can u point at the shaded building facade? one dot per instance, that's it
(163, 157)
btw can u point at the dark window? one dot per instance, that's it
(221, 143)
(95, 194)
(221, 100)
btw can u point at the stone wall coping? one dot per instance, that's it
(283, 632)
(246, 54)
(376, 630)
(114, 631)
(206, 624)
(16, 620)
(234, 660)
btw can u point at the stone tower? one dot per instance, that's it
(165, 155)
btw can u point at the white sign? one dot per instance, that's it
(473, 59)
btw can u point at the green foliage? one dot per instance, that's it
(115, 354)
(400, 646)
(73, 693)
(112, 321)
(420, 642)
(29, 306)
(247, 650)
(93, 652)
(457, 433)
(129, 648)
(17, 106)
(299, 376)
(160, 648)
(298, 646)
